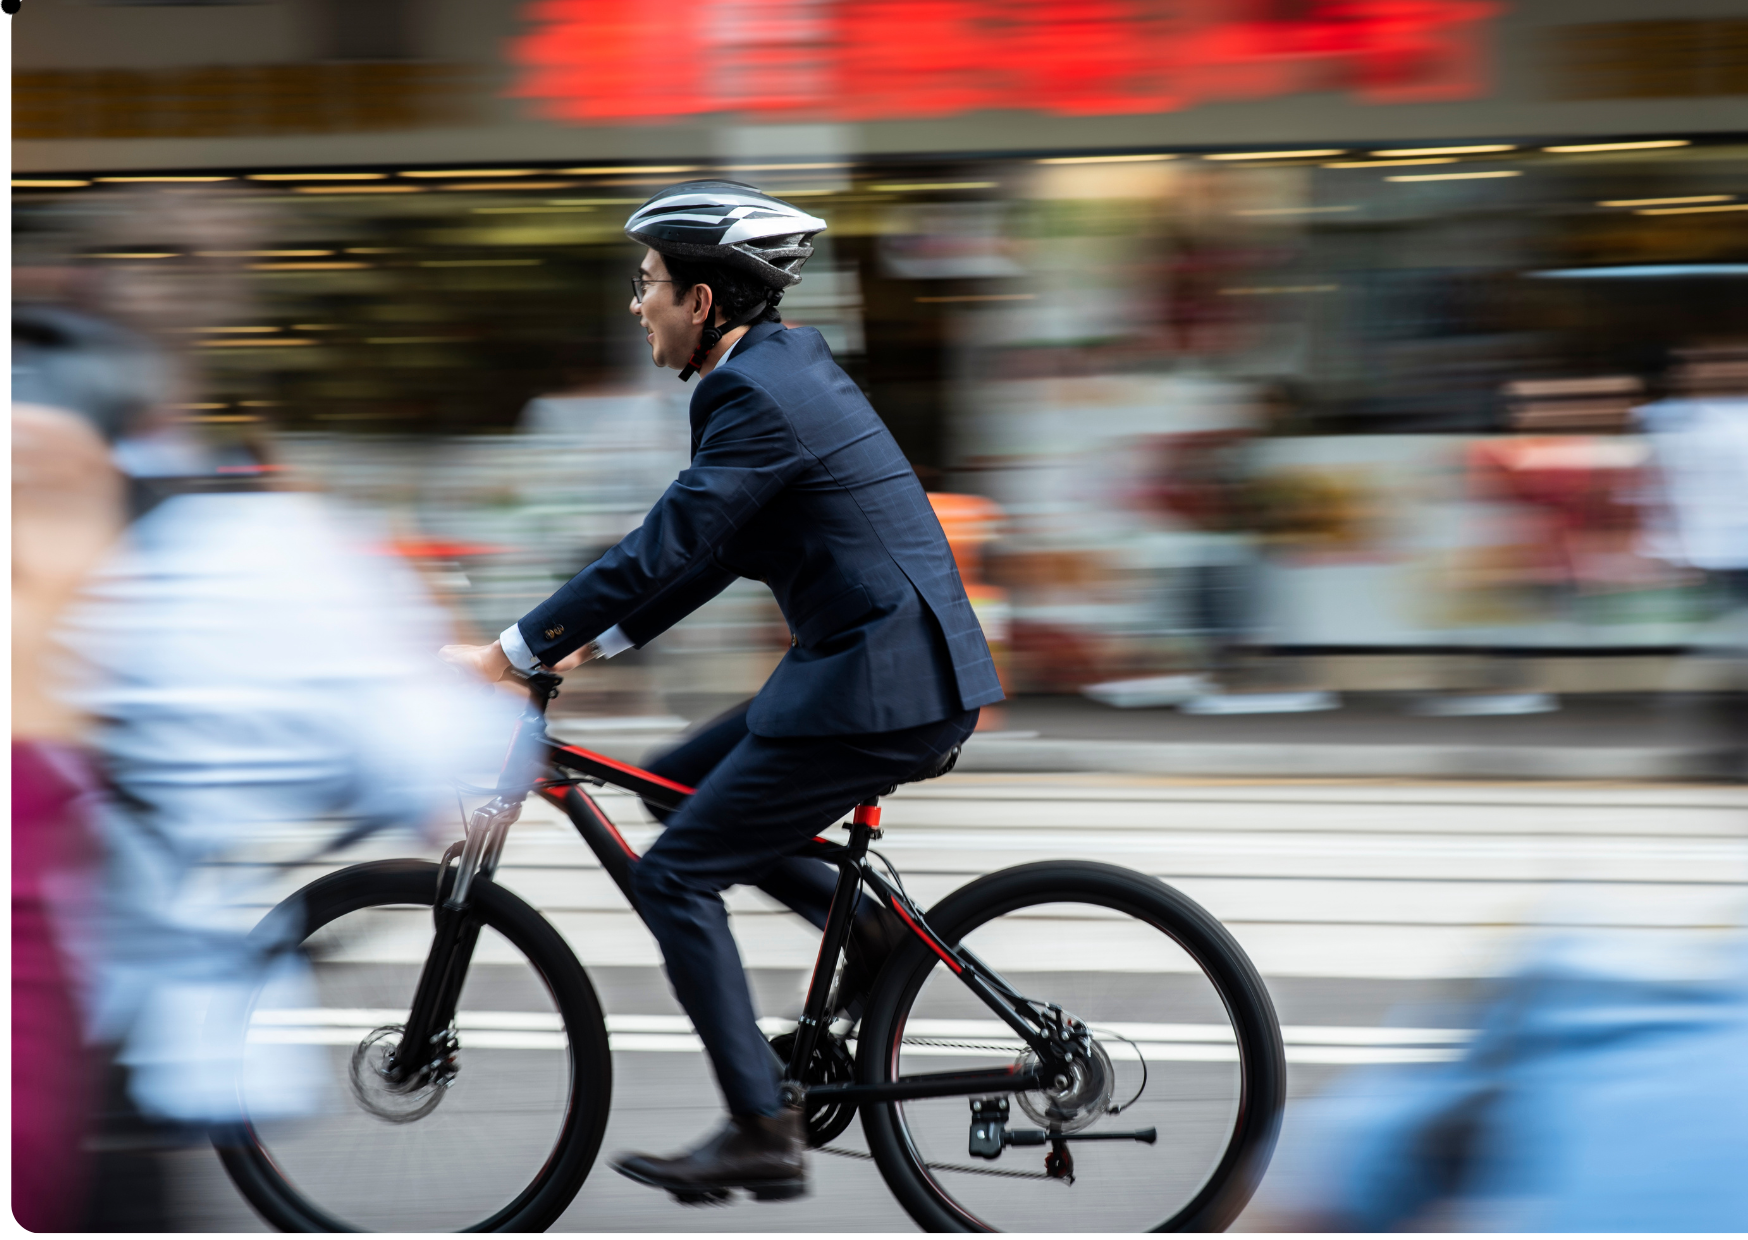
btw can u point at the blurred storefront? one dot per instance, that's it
(1317, 326)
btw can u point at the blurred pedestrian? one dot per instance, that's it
(1604, 1091)
(1699, 517)
(1699, 437)
(251, 676)
(249, 683)
(76, 382)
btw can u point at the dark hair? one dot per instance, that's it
(73, 361)
(734, 292)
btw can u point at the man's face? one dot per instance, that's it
(670, 324)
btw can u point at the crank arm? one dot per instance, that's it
(1037, 1136)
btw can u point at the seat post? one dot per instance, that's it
(864, 827)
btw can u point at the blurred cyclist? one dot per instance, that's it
(795, 482)
(239, 672)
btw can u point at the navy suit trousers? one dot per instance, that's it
(759, 799)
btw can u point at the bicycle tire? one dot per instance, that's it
(1261, 1093)
(374, 885)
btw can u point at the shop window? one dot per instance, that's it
(1651, 60)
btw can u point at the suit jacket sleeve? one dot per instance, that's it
(746, 455)
(677, 602)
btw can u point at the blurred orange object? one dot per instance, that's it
(969, 522)
(440, 549)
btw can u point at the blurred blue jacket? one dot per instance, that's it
(1589, 1101)
(263, 690)
(796, 482)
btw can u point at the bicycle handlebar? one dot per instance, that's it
(542, 686)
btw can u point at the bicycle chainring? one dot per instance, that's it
(831, 1063)
(375, 1090)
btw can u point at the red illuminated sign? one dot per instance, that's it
(593, 61)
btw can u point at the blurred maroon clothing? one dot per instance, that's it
(51, 1071)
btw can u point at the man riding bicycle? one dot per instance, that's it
(795, 482)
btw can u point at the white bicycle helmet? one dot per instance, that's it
(733, 224)
(726, 222)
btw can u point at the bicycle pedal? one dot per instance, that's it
(779, 1192)
(700, 1196)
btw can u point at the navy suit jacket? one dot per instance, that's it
(796, 482)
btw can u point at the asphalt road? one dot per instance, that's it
(1374, 910)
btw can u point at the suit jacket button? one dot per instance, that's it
(793, 640)
(556, 630)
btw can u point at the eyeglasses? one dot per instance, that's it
(640, 286)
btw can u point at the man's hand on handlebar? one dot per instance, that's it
(490, 662)
(487, 662)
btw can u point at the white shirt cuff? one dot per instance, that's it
(516, 650)
(610, 643)
(613, 642)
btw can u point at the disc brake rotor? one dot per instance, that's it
(375, 1090)
(1078, 1097)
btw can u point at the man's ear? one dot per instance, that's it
(703, 301)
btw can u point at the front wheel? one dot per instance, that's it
(1184, 1042)
(505, 1136)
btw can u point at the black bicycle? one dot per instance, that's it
(1061, 1046)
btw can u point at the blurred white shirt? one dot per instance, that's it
(1701, 448)
(261, 668)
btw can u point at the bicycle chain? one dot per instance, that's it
(994, 1171)
(1006, 1175)
(1009, 1049)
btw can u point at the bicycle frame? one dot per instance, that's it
(535, 757)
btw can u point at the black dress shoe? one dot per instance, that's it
(760, 1154)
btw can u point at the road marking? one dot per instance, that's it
(668, 1034)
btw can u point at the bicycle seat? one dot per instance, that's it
(948, 761)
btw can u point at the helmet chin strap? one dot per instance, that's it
(712, 335)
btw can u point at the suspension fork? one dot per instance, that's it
(426, 1041)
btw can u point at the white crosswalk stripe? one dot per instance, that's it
(1157, 1043)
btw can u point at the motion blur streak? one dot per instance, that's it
(887, 59)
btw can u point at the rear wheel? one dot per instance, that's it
(503, 1145)
(1184, 1041)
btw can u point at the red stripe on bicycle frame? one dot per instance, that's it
(951, 963)
(612, 828)
(558, 799)
(626, 768)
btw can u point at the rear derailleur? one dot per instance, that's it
(990, 1135)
